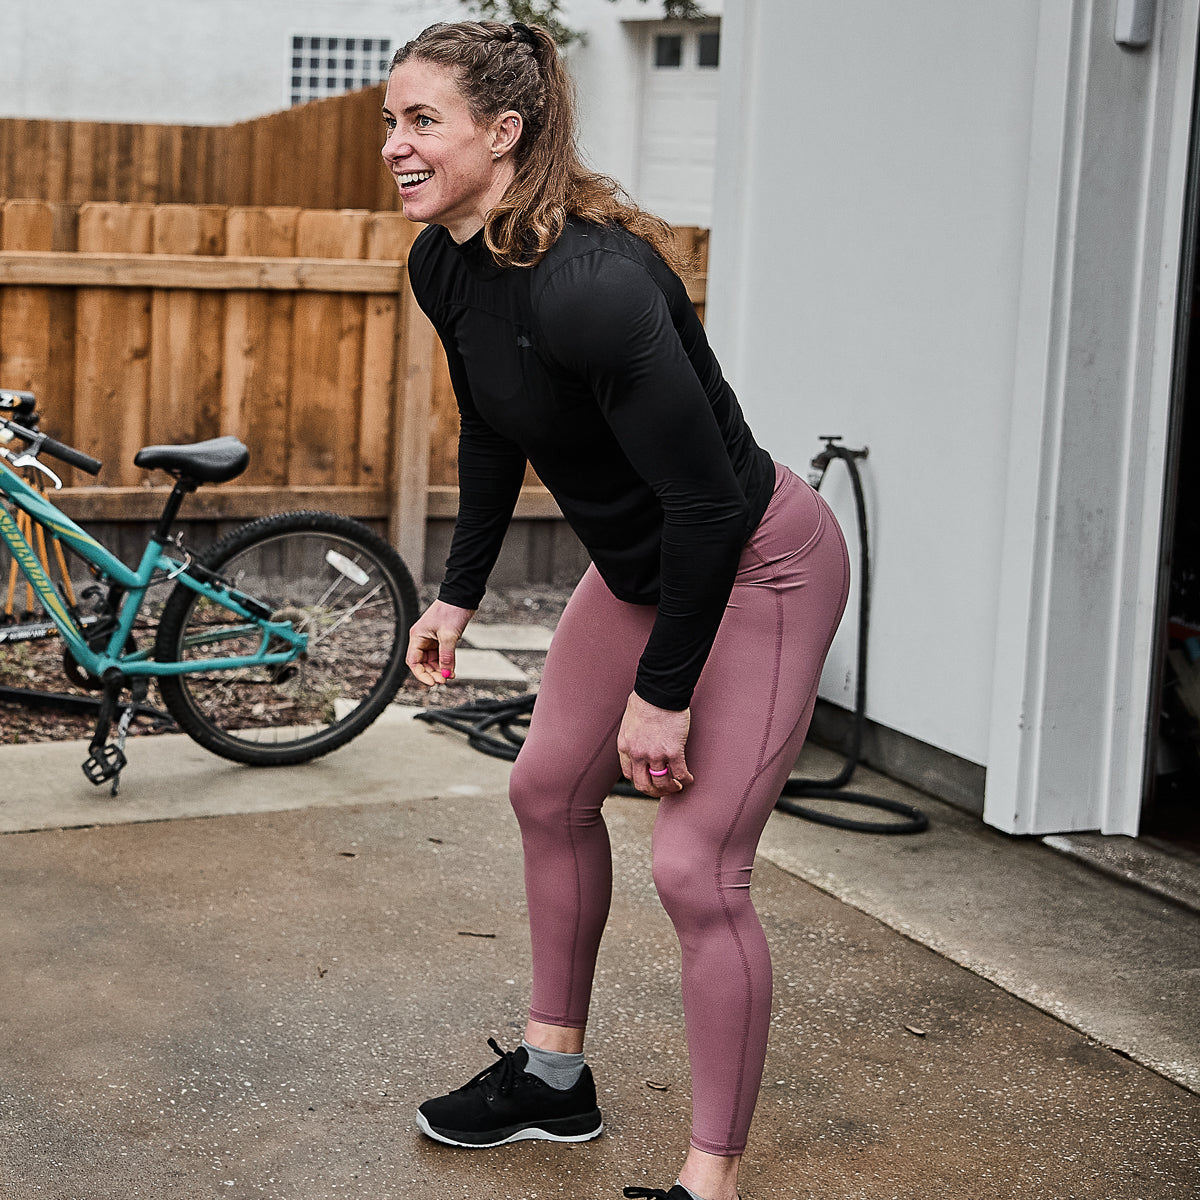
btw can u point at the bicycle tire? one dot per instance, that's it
(343, 585)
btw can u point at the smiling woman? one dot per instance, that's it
(689, 655)
(514, 92)
(449, 169)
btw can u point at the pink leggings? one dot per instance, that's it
(750, 714)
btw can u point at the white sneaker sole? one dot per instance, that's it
(530, 1133)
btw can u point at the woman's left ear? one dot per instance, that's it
(506, 133)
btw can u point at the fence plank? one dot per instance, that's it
(59, 396)
(92, 269)
(25, 312)
(325, 185)
(363, 178)
(290, 174)
(389, 236)
(81, 165)
(8, 131)
(22, 162)
(105, 154)
(231, 165)
(196, 152)
(265, 134)
(125, 149)
(326, 358)
(256, 380)
(56, 168)
(26, 147)
(113, 346)
(185, 358)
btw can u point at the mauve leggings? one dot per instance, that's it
(750, 713)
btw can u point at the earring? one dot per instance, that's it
(495, 153)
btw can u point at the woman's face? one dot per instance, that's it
(445, 165)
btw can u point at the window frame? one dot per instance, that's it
(317, 65)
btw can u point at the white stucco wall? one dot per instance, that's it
(198, 62)
(865, 276)
(952, 233)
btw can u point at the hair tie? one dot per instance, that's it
(522, 33)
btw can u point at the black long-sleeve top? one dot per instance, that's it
(594, 366)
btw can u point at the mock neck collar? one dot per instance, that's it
(476, 256)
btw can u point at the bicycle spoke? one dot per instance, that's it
(333, 581)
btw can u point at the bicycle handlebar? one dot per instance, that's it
(56, 449)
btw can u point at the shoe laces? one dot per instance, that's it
(504, 1073)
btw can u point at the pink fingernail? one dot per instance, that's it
(445, 673)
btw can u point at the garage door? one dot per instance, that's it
(677, 156)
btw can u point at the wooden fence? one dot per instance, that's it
(293, 329)
(324, 154)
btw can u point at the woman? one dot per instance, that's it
(689, 655)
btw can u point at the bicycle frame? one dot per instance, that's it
(135, 584)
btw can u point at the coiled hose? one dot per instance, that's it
(915, 821)
(497, 727)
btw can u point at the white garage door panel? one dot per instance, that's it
(677, 146)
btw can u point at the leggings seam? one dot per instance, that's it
(758, 770)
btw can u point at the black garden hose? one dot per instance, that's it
(508, 718)
(496, 727)
(478, 718)
(835, 789)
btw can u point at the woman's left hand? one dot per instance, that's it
(651, 745)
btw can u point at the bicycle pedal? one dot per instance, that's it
(104, 763)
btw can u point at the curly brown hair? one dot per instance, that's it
(501, 67)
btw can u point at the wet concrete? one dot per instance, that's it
(202, 1002)
(1119, 963)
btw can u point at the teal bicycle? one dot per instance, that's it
(278, 644)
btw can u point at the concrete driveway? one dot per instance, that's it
(237, 983)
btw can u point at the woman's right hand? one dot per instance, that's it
(432, 641)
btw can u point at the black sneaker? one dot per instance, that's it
(504, 1103)
(678, 1192)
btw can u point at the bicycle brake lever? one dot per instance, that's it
(28, 460)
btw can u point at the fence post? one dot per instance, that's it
(410, 437)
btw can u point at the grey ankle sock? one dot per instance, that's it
(560, 1071)
(688, 1190)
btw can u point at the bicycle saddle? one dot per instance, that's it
(214, 461)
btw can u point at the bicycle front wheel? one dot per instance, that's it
(334, 580)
